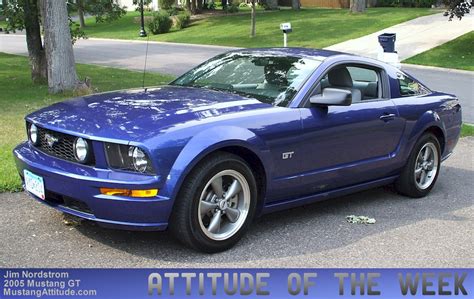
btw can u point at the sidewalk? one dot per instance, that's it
(413, 37)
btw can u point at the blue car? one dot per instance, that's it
(246, 133)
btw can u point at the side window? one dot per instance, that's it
(410, 87)
(353, 77)
(366, 80)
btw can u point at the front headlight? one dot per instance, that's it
(126, 157)
(140, 160)
(81, 150)
(33, 134)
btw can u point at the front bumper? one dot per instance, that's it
(74, 189)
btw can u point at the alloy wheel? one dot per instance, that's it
(224, 205)
(426, 166)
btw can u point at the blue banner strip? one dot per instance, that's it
(237, 283)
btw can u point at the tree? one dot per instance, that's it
(24, 15)
(80, 12)
(253, 20)
(358, 6)
(36, 53)
(103, 10)
(62, 74)
(295, 4)
(457, 8)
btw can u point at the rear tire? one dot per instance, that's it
(422, 169)
(216, 204)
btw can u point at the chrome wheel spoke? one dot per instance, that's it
(418, 171)
(232, 214)
(215, 224)
(233, 190)
(206, 206)
(217, 187)
(423, 177)
(426, 155)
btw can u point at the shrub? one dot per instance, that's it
(166, 4)
(232, 8)
(161, 23)
(174, 11)
(243, 4)
(209, 5)
(183, 20)
(406, 3)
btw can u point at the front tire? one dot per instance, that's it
(421, 172)
(216, 204)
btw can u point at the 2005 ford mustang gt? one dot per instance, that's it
(245, 133)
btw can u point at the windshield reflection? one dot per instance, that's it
(269, 77)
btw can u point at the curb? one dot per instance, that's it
(435, 68)
(143, 42)
(161, 43)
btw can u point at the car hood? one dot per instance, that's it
(139, 114)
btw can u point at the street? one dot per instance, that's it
(436, 231)
(176, 59)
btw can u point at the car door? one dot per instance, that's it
(347, 145)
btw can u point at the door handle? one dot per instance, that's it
(387, 116)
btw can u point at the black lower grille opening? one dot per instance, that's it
(69, 202)
(54, 198)
(77, 205)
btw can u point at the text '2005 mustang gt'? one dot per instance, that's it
(245, 133)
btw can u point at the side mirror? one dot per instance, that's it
(332, 97)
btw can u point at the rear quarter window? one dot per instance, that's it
(410, 87)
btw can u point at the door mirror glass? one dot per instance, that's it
(333, 97)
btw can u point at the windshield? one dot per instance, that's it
(272, 79)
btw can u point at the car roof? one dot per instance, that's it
(299, 52)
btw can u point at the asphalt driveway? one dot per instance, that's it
(436, 231)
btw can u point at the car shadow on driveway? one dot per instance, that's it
(309, 229)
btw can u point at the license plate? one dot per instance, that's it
(34, 184)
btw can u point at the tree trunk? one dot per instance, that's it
(188, 5)
(295, 4)
(358, 6)
(80, 12)
(34, 44)
(62, 74)
(193, 7)
(253, 20)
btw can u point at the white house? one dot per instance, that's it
(131, 7)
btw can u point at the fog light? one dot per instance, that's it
(33, 134)
(128, 192)
(81, 150)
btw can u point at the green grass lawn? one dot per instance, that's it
(467, 130)
(18, 97)
(456, 54)
(315, 28)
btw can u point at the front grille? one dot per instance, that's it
(63, 148)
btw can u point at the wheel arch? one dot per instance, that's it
(235, 140)
(429, 122)
(439, 134)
